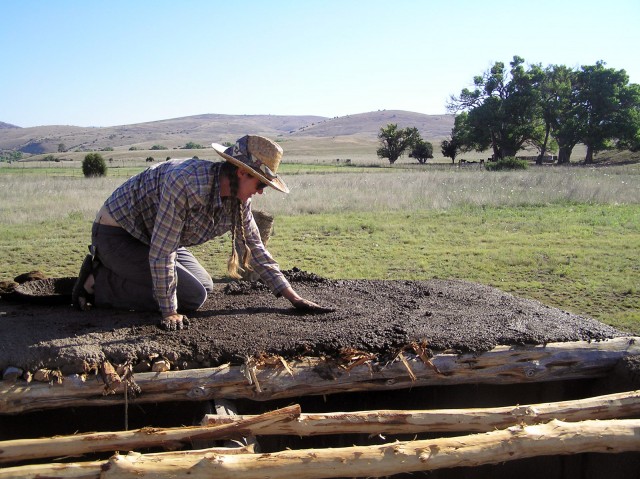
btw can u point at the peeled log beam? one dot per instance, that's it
(91, 470)
(289, 421)
(517, 442)
(313, 376)
(169, 438)
(610, 406)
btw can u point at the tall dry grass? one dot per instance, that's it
(34, 198)
(448, 188)
(37, 198)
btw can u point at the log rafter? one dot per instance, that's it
(314, 376)
(290, 421)
(516, 442)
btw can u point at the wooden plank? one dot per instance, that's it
(313, 376)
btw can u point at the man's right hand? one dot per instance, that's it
(306, 306)
(174, 322)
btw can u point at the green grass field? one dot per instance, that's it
(568, 237)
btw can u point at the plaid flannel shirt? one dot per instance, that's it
(174, 204)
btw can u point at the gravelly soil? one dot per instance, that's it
(244, 319)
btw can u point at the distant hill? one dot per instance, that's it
(208, 128)
(368, 124)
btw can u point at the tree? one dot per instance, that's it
(556, 88)
(61, 148)
(629, 134)
(395, 141)
(450, 148)
(465, 137)
(421, 150)
(501, 111)
(546, 94)
(462, 139)
(94, 165)
(192, 146)
(9, 156)
(608, 107)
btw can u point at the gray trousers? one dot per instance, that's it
(123, 276)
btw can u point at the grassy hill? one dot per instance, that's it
(204, 129)
(431, 127)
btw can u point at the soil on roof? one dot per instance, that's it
(243, 319)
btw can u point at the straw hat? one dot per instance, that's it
(257, 155)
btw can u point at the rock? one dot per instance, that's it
(47, 376)
(161, 366)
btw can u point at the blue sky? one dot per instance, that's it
(104, 63)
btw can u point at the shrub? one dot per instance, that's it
(159, 147)
(508, 163)
(149, 159)
(11, 156)
(94, 165)
(192, 146)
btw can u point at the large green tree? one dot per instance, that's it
(548, 108)
(550, 90)
(395, 141)
(607, 107)
(559, 109)
(502, 111)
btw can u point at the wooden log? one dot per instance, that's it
(517, 442)
(169, 438)
(92, 469)
(67, 470)
(313, 376)
(610, 406)
(289, 421)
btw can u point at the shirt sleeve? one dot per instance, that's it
(165, 240)
(259, 258)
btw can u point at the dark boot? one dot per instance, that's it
(80, 298)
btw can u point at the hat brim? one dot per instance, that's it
(276, 183)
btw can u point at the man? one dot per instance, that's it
(139, 258)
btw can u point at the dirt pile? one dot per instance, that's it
(243, 319)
